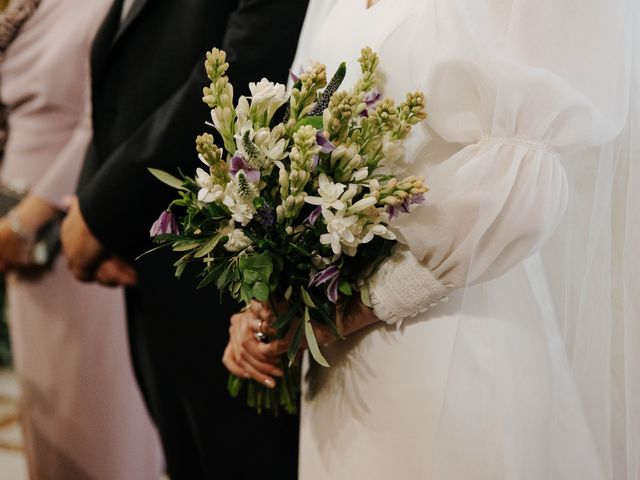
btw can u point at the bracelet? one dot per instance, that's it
(16, 227)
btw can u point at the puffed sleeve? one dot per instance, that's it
(512, 117)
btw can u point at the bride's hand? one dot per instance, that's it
(244, 355)
(353, 317)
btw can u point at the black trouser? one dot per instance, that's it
(177, 335)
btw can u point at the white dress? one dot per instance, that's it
(489, 384)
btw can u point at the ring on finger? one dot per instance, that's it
(261, 337)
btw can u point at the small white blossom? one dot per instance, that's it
(330, 194)
(360, 175)
(272, 149)
(237, 241)
(340, 230)
(242, 209)
(209, 192)
(267, 97)
(242, 113)
(379, 230)
(362, 204)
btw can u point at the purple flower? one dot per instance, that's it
(332, 291)
(330, 274)
(371, 99)
(295, 77)
(313, 216)
(404, 207)
(323, 276)
(238, 163)
(165, 224)
(325, 145)
(265, 217)
(418, 199)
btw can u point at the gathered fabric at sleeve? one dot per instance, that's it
(512, 115)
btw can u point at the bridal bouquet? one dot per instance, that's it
(296, 210)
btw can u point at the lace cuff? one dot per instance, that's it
(403, 288)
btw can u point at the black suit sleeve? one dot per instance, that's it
(121, 201)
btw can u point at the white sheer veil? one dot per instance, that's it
(585, 281)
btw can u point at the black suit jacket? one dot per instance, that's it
(147, 82)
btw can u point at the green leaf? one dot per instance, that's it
(246, 293)
(306, 298)
(345, 287)
(294, 346)
(365, 297)
(251, 276)
(180, 270)
(167, 178)
(208, 247)
(315, 121)
(185, 246)
(261, 263)
(287, 293)
(212, 275)
(314, 349)
(225, 278)
(285, 319)
(261, 292)
(215, 211)
(259, 202)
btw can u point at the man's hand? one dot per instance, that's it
(115, 272)
(82, 249)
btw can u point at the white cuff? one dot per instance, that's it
(403, 287)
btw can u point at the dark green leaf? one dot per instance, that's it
(294, 346)
(251, 276)
(286, 318)
(226, 277)
(261, 292)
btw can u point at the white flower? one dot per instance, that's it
(221, 118)
(237, 241)
(209, 192)
(267, 96)
(360, 175)
(272, 149)
(241, 209)
(340, 230)
(242, 113)
(362, 204)
(379, 230)
(330, 194)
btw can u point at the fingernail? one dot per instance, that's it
(278, 373)
(269, 383)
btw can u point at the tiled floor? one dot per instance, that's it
(12, 463)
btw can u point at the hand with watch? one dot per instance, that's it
(29, 236)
